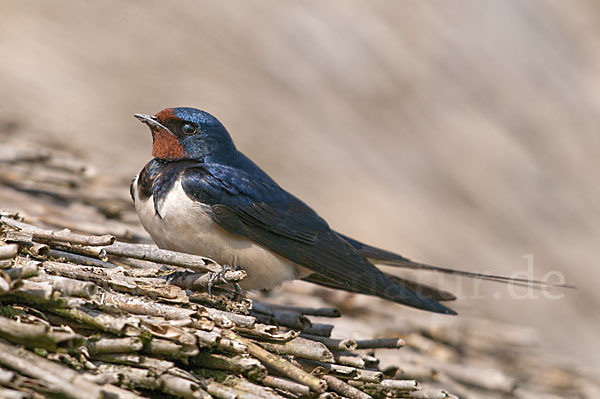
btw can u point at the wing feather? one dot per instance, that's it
(257, 208)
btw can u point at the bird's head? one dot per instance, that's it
(187, 133)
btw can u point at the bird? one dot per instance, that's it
(201, 195)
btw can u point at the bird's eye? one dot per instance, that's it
(188, 128)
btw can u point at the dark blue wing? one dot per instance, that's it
(254, 206)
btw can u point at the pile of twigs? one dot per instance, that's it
(96, 314)
(84, 301)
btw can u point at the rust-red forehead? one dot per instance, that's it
(165, 114)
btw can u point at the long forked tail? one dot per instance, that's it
(422, 290)
(383, 257)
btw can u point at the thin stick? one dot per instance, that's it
(61, 236)
(267, 332)
(391, 343)
(248, 366)
(286, 385)
(323, 330)
(195, 281)
(8, 251)
(300, 347)
(323, 312)
(333, 343)
(345, 372)
(158, 255)
(115, 345)
(258, 390)
(281, 365)
(292, 320)
(182, 387)
(400, 385)
(430, 393)
(344, 389)
(61, 378)
(78, 259)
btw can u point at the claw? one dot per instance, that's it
(211, 282)
(238, 289)
(219, 277)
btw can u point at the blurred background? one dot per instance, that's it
(464, 134)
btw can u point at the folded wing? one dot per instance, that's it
(255, 207)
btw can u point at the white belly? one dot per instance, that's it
(186, 227)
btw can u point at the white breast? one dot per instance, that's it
(185, 226)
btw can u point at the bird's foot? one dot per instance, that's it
(219, 277)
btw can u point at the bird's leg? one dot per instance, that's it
(238, 289)
(219, 277)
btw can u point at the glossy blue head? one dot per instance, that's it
(188, 133)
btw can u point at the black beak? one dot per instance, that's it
(145, 118)
(152, 121)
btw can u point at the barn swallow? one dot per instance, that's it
(200, 195)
